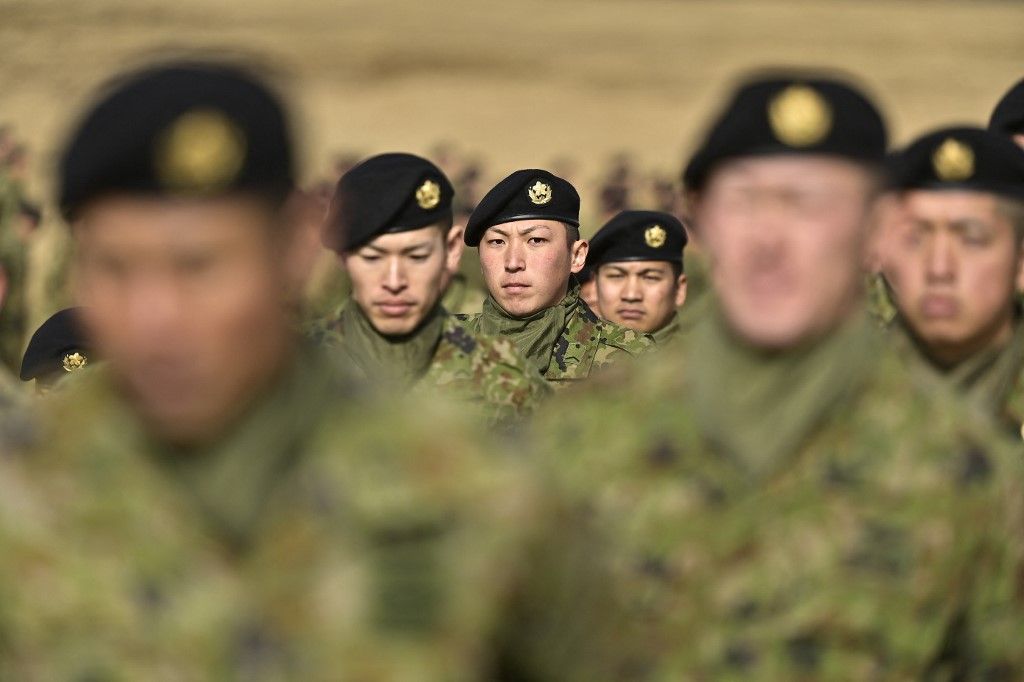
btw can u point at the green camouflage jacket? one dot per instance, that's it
(993, 380)
(885, 543)
(333, 535)
(584, 344)
(484, 373)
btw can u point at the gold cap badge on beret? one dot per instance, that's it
(201, 152)
(953, 160)
(74, 361)
(655, 236)
(428, 195)
(540, 193)
(799, 116)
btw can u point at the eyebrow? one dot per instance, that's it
(520, 230)
(408, 249)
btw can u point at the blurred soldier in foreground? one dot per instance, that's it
(638, 260)
(1008, 116)
(786, 501)
(56, 350)
(216, 502)
(527, 231)
(955, 260)
(391, 224)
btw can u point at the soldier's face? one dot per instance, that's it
(189, 302)
(641, 295)
(398, 278)
(785, 237)
(526, 264)
(952, 259)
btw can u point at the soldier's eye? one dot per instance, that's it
(495, 242)
(537, 240)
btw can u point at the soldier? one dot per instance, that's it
(785, 500)
(391, 224)
(956, 261)
(216, 501)
(527, 231)
(1008, 116)
(58, 348)
(638, 260)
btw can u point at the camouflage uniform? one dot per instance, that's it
(330, 535)
(670, 333)
(583, 342)
(875, 536)
(992, 380)
(481, 371)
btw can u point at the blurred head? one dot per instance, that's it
(641, 295)
(190, 301)
(954, 261)
(526, 263)
(191, 243)
(398, 278)
(785, 235)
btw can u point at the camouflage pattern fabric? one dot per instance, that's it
(886, 544)
(486, 374)
(583, 342)
(333, 534)
(992, 380)
(668, 334)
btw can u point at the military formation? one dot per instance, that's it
(593, 477)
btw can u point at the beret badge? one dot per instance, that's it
(540, 193)
(799, 116)
(953, 160)
(202, 151)
(428, 195)
(655, 236)
(74, 361)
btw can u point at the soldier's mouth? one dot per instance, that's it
(630, 313)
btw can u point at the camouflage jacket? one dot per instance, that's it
(333, 534)
(585, 343)
(992, 380)
(485, 373)
(884, 545)
(670, 333)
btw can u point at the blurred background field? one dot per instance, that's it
(568, 84)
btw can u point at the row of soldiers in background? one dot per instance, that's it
(775, 493)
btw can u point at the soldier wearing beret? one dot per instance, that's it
(1008, 116)
(638, 259)
(58, 348)
(786, 498)
(217, 501)
(527, 233)
(391, 224)
(955, 261)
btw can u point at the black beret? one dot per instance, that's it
(57, 346)
(529, 194)
(638, 235)
(961, 158)
(192, 129)
(386, 193)
(791, 115)
(1008, 116)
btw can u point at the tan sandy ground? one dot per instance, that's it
(522, 82)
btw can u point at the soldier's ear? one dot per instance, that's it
(578, 253)
(454, 247)
(302, 218)
(681, 290)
